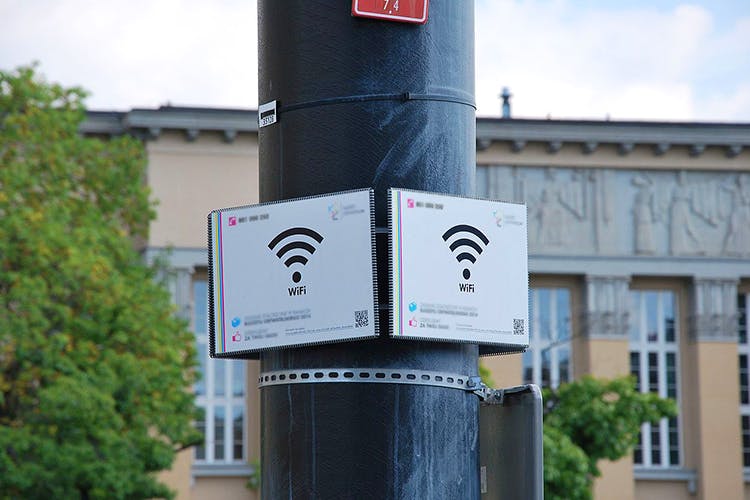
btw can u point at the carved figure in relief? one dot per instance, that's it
(644, 216)
(555, 202)
(683, 238)
(737, 240)
(519, 186)
(550, 216)
(706, 202)
(603, 211)
(605, 200)
(572, 196)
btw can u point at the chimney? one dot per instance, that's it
(506, 95)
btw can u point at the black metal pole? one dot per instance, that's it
(383, 104)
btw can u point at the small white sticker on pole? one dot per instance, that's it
(267, 114)
(459, 270)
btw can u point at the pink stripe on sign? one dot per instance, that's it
(221, 285)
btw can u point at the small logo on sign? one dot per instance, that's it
(235, 322)
(333, 211)
(412, 306)
(498, 218)
(410, 203)
(232, 221)
(236, 337)
(413, 322)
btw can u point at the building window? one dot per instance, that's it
(743, 300)
(547, 362)
(220, 394)
(654, 362)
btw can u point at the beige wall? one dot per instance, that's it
(664, 490)
(189, 179)
(178, 478)
(221, 488)
(609, 358)
(505, 370)
(720, 460)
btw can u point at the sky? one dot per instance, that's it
(658, 60)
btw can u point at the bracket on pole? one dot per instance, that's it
(486, 394)
(510, 437)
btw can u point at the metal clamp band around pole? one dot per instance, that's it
(370, 376)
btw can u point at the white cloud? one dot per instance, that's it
(140, 52)
(628, 63)
(727, 106)
(557, 56)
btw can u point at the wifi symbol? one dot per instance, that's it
(463, 243)
(295, 246)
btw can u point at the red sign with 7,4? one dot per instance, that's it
(405, 11)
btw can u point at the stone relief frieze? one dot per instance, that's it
(628, 212)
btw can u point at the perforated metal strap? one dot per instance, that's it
(370, 376)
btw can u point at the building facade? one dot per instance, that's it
(639, 259)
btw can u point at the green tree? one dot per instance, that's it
(589, 420)
(95, 369)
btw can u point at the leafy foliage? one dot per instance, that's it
(253, 482)
(589, 420)
(566, 467)
(486, 375)
(95, 369)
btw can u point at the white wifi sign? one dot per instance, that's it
(292, 273)
(484, 299)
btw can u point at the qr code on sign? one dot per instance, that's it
(519, 327)
(361, 319)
